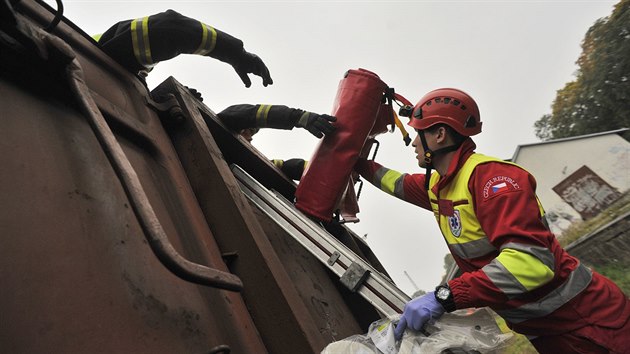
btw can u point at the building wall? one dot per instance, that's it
(606, 155)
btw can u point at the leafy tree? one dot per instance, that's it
(599, 99)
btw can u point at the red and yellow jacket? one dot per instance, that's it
(492, 222)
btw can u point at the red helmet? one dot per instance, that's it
(450, 106)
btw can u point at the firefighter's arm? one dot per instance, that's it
(508, 211)
(244, 116)
(141, 43)
(409, 188)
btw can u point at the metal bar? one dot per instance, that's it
(147, 218)
(376, 289)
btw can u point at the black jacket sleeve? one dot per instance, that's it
(244, 116)
(170, 34)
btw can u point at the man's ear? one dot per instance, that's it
(442, 135)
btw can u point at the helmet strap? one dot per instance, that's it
(430, 154)
(428, 158)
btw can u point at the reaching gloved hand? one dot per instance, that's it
(251, 63)
(195, 93)
(292, 168)
(316, 124)
(417, 312)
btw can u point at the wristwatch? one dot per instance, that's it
(444, 296)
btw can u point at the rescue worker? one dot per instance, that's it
(139, 44)
(493, 223)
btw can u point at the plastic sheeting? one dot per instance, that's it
(462, 331)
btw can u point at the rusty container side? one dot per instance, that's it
(80, 272)
(297, 305)
(77, 272)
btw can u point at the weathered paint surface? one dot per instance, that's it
(77, 271)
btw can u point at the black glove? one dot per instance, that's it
(195, 93)
(251, 63)
(292, 168)
(317, 124)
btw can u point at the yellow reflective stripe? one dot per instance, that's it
(140, 41)
(528, 270)
(145, 38)
(134, 41)
(206, 46)
(204, 40)
(97, 37)
(261, 115)
(388, 181)
(278, 163)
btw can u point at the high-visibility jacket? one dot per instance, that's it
(491, 220)
(141, 43)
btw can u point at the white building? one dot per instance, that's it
(577, 177)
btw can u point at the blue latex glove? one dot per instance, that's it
(417, 312)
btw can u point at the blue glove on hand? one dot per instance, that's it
(417, 312)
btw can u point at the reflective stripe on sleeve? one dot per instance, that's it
(261, 115)
(542, 253)
(140, 41)
(390, 181)
(579, 279)
(516, 272)
(208, 40)
(472, 249)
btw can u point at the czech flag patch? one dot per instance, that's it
(499, 185)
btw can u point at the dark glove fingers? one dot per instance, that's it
(313, 130)
(195, 93)
(324, 126)
(266, 76)
(329, 118)
(251, 63)
(243, 75)
(263, 72)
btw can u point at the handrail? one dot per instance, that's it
(147, 218)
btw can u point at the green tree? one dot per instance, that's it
(599, 98)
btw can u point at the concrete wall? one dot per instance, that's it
(607, 155)
(609, 243)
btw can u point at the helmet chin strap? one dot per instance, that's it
(430, 154)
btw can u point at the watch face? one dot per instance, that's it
(443, 293)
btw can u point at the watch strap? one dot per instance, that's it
(449, 302)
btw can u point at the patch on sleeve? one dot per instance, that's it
(499, 185)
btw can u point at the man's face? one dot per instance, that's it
(417, 144)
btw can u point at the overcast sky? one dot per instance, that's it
(511, 56)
